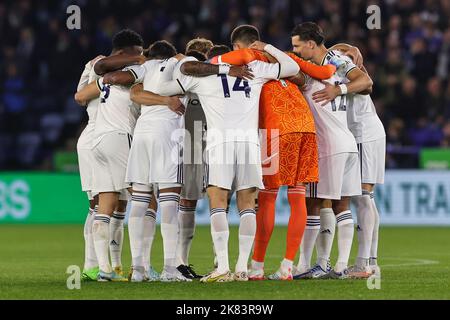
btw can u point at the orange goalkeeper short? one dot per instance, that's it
(297, 157)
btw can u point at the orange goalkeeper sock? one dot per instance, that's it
(265, 220)
(297, 220)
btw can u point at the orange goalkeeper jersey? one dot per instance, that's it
(282, 105)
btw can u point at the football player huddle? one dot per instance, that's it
(167, 129)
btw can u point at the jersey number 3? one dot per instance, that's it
(236, 87)
(105, 93)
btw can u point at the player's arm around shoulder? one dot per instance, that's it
(287, 66)
(147, 98)
(204, 69)
(89, 92)
(313, 70)
(360, 82)
(240, 57)
(351, 51)
(117, 62)
(124, 78)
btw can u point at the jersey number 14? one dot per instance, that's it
(236, 87)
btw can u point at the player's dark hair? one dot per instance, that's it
(161, 49)
(245, 33)
(196, 54)
(217, 50)
(309, 31)
(126, 38)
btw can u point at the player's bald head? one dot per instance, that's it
(244, 35)
(199, 44)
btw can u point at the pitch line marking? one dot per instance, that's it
(409, 261)
(412, 262)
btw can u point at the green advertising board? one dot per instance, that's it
(408, 197)
(41, 198)
(435, 158)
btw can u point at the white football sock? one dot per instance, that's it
(149, 235)
(100, 232)
(90, 259)
(186, 222)
(376, 227)
(139, 205)
(345, 238)
(220, 234)
(366, 223)
(256, 265)
(309, 240)
(116, 238)
(247, 230)
(325, 238)
(286, 265)
(168, 202)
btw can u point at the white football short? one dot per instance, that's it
(372, 157)
(85, 157)
(339, 176)
(110, 162)
(234, 164)
(85, 162)
(155, 158)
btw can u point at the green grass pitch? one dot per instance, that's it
(33, 261)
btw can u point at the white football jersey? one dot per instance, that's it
(333, 135)
(231, 104)
(116, 112)
(150, 74)
(194, 120)
(363, 120)
(86, 138)
(92, 106)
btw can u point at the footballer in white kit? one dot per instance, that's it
(370, 136)
(339, 171)
(85, 159)
(193, 171)
(84, 144)
(155, 155)
(233, 157)
(116, 119)
(114, 125)
(155, 159)
(193, 164)
(194, 144)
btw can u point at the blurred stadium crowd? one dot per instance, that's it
(41, 61)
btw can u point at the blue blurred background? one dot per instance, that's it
(41, 61)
